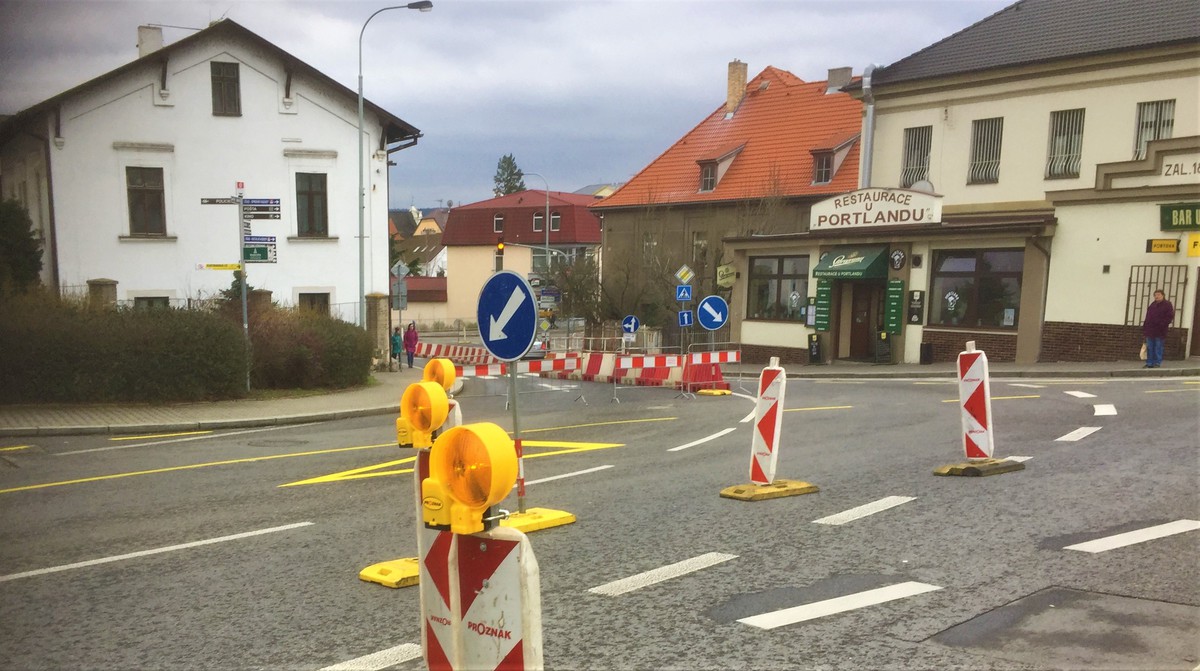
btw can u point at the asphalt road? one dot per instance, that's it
(102, 565)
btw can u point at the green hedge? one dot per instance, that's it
(59, 351)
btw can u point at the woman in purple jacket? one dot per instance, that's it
(1159, 316)
(410, 342)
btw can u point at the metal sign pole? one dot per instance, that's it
(242, 262)
(512, 393)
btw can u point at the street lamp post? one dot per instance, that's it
(424, 6)
(546, 221)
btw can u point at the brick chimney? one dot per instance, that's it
(838, 77)
(737, 86)
(150, 40)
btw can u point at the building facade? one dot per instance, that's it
(128, 177)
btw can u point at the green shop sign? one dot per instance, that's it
(1179, 217)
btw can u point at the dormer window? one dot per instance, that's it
(708, 176)
(498, 223)
(829, 156)
(822, 167)
(555, 221)
(537, 222)
(714, 166)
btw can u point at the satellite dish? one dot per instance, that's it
(924, 186)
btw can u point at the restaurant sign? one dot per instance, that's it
(876, 207)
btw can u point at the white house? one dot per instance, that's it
(116, 172)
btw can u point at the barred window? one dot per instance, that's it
(1144, 281)
(917, 143)
(778, 288)
(226, 89)
(147, 208)
(1066, 144)
(986, 136)
(1155, 121)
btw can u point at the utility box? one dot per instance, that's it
(926, 353)
(814, 348)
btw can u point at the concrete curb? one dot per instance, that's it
(203, 425)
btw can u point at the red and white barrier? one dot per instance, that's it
(730, 356)
(975, 401)
(481, 602)
(496, 369)
(658, 361)
(768, 421)
(470, 354)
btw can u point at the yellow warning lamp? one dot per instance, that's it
(471, 468)
(440, 371)
(424, 408)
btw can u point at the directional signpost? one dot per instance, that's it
(713, 312)
(629, 326)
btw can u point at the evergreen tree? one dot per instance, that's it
(20, 251)
(509, 178)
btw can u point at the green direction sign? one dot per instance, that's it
(824, 302)
(259, 254)
(893, 306)
(1179, 217)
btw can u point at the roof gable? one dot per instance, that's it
(1032, 31)
(770, 136)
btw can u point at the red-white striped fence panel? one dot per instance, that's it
(730, 356)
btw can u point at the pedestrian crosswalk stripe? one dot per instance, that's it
(1134, 537)
(841, 604)
(865, 510)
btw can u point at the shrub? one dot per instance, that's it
(306, 349)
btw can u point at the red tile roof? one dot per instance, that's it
(781, 120)
(472, 224)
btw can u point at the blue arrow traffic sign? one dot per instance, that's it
(630, 324)
(507, 315)
(713, 312)
(685, 318)
(683, 292)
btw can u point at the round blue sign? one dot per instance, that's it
(507, 315)
(712, 313)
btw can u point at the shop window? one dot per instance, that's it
(312, 205)
(986, 136)
(314, 302)
(147, 209)
(1155, 121)
(226, 89)
(976, 288)
(498, 223)
(778, 288)
(917, 143)
(1066, 144)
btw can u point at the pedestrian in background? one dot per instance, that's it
(1159, 316)
(397, 344)
(410, 342)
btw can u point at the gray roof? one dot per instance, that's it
(1032, 31)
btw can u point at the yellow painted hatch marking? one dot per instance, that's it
(1168, 391)
(14, 448)
(160, 435)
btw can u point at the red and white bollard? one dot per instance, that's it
(764, 446)
(975, 401)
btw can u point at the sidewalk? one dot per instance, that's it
(383, 398)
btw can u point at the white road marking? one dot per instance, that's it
(1077, 434)
(143, 553)
(1138, 536)
(748, 418)
(184, 440)
(1105, 409)
(566, 475)
(658, 575)
(1079, 394)
(840, 604)
(703, 440)
(1018, 459)
(379, 660)
(1031, 386)
(865, 510)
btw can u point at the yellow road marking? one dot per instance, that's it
(997, 398)
(826, 407)
(1167, 391)
(14, 448)
(614, 422)
(160, 435)
(247, 460)
(377, 470)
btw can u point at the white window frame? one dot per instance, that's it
(537, 221)
(555, 221)
(498, 223)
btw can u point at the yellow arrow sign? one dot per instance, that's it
(222, 266)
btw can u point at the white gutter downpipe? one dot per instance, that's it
(868, 146)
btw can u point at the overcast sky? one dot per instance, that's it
(582, 92)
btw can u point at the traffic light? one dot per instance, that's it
(424, 405)
(471, 467)
(500, 245)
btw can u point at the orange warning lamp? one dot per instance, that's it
(424, 408)
(471, 467)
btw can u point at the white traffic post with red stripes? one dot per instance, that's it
(768, 421)
(975, 401)
(481, 602)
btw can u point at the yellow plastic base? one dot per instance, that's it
(980, 468)
(713, 392)
(395, 574)
(775, 490)
(536, 519)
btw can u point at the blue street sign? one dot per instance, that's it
(685, 318)
(713, 312)
(507, 315)
(260, 201)
(683, 292)
(630, 324)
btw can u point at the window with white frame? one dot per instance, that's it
(538, 221)
(708, 176)
(822, 167)
(555, 221)
(986, 136)
(917, 143)
(1155, 121)
(1066, 144)
(498, 223)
